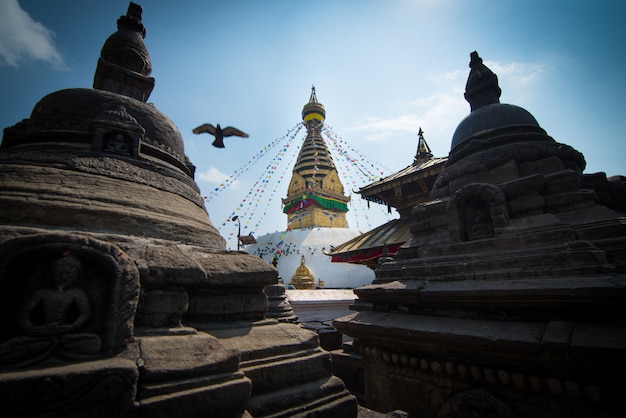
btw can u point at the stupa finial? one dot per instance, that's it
(313, 110)
(124, 66)
(132, 20)
(482, 84)
(313, 98)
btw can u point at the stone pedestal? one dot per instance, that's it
(291, 375)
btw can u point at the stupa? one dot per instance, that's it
(316, 207)
(508, 301)
(118, 297)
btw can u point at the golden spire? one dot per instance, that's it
(315, 196)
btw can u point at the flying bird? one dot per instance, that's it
(219, 133)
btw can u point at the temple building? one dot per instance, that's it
(315, 207)
(402, 191)
(118, 297)
(508, 300)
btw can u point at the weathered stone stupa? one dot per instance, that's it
(509, 299)
(117, 296)
(316, 209)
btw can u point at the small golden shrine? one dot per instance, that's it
(303, 277)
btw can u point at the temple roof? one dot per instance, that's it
(424, 168)
(402, 190)
(406, 175)
(367, 248)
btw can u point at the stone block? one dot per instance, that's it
(544, 166)
(98, 389)
(226, 306)
(501, 174)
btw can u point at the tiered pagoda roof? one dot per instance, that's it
(401, 190)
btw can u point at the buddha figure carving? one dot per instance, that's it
(51, 320)
(116, 144)
(478, 220)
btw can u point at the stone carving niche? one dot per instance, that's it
(117, 132)
(64, 299)
(477, 211)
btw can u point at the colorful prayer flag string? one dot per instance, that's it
(261, 153)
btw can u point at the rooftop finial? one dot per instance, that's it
(482, 84)
(423, 150)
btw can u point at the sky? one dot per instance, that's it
(382, 69)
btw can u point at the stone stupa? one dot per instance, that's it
(509, 299)
(117, 295)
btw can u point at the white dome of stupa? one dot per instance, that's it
(289, 247)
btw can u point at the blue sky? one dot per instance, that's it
(382, 68)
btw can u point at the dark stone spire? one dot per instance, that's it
(124, 65)
(482, 84)
(132, 20)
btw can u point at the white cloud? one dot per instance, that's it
(376, 129)
(451, 78)
(521, 73)
(24, 39)
(440, 113)
(215, 176)
(519, 80)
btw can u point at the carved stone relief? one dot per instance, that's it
(64, 301)
(117, 132)
(477, 211)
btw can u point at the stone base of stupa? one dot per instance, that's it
(221, 362)
(509, 299)
(291, 375)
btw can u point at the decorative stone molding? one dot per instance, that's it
(405, 362)
(474, 403)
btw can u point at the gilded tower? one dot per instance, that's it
(315, 196)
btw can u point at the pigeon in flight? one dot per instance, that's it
(219, 133)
